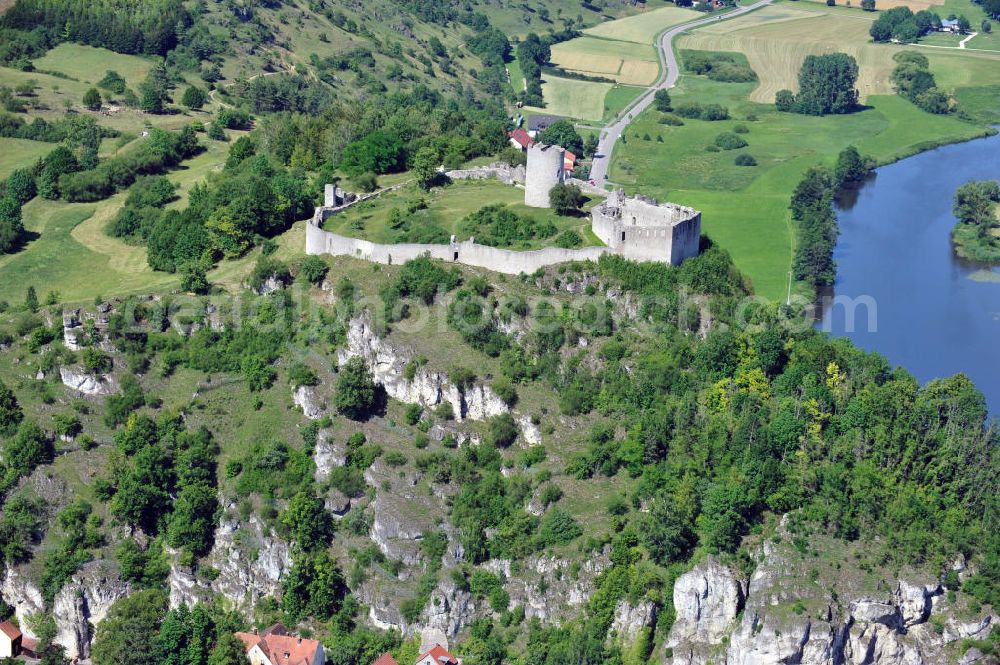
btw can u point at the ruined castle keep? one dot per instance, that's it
(641, 229)
(545, 170)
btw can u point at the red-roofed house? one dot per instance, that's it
(385, 659)
(520, 139)
(569, 162)
(13, 643)
(437, 655)
(276, 647)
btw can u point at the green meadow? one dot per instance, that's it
(745, 208)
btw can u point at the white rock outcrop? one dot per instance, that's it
(305, 398)
(82, 603)
(88, 384)
(706, 601)
(427, 388)
(790, 616)
(251, 561)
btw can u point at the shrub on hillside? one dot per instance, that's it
(713, 112)
(689, 109)
(745, 160)
(730, 141)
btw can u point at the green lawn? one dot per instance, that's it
(745, 208)
(88, 64)
(446, 207)
(618, 98)
(20, 153)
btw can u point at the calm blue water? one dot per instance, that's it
(937, 314)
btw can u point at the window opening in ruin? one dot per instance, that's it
(623, 236)
(456, 257)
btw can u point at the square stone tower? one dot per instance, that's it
(641, 229)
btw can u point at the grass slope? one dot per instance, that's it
(20, 153)
(73, 256)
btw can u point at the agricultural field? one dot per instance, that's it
(583, 100)
(446, 208)
(625, 62)
(777, 39)
(759, 235)
(643, 28)
(622, 50)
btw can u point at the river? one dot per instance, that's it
(935, 313)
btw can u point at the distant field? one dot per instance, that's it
(620, 50)
(777, 39)
(625, 62)
(88, 64)
(85, 66)
(643, 28)
(745, 209)
(20, 153)
(583, 100)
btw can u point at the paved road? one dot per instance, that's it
(668, 77)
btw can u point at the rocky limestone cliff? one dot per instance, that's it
(805, 610)
(428, 388)
(251, 560)
(77, 608)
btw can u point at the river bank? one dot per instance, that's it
(901, 288)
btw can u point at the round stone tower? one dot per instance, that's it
(545, 170)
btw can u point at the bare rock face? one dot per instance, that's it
(82, 603)
(803, 612)
(24, 596)
(327, 455)
(399, 525)
(305, 398)
(244, 578)
(706, 600)
(450, 609)
(427, 388)
(72, 329)
(631, 619)
(88, 384)
(529, 430)
(564, 594)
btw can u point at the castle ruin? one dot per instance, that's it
(636, 228)
(546, 169)
(641, 229)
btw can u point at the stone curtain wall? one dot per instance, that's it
(467, 252)
(505, 173)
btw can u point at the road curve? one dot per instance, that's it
(668, 77)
